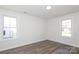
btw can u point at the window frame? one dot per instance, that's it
(10, 27)
(70, 28)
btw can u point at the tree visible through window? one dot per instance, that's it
(66, 28)
(9, 27)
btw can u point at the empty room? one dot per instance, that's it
(39, 29)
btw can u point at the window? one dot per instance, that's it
(9, 30)
(66, 28)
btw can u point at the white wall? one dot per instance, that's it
(30, 29)
(54, 30)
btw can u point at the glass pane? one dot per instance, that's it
(8, 33)
(66, 23)
(13, 22)
(9, 27)
(66, 34)
(9, 21)
(6, 21)
(66, 28)
(13, 30)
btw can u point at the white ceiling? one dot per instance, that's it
(40, 10)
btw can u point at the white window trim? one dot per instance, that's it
(16, 27)
(71, 27)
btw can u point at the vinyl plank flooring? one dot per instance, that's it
(43, 47)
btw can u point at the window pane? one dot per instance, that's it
(13, 30)
(66, 28)
(13, 22)
(9, 21)
(8, 33)
(6, 21)
(9, 27)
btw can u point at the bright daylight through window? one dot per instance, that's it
(9, 30)
(66, 28)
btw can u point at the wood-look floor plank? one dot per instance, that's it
(43, 47)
